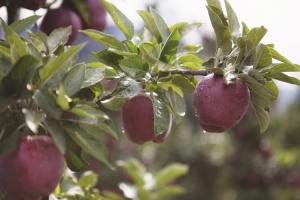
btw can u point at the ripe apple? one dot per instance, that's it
(62, 17)
(33, 170)
(97, 15)
(219, 106)
(138, 120)
(31, 4)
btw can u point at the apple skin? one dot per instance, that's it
(31, 4)
(138, 119)
(219, 106)
(33, 170)
(62, 17)
(97, 17)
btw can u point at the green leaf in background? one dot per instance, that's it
(125, 25)
(169, 192)
(58, 134)
(134, 66)
(134, 169)
(88, 180)
(221, 28)
(169, 174)
(15, 83)
(245, 29)
(47, 102)
(104, 38)
(22, 25)
(90, 144)
(108, 58)
(59, 36)
(161, 25)
(61, 61)
(234, 25)
(161, 116)
(74, 79)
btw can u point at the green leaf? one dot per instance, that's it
(161, 116)
(62, 99)
(276, 55)
(215, 3)
(169, 85)
(11, 143)
(134, 169)
(108, 58)
(22, 25)
(58, 134)
(33, 119)
(169, 174)
(125, 25)
(271, 85)
(61, 61)
(15, 82)
(47, 102)
(177, 103)
(90, 144)
(261, 99)
(88, 111)
(74, 79)
(59, 36)
(134, 66)
(284, 78)
(245, 29)
(263, 57)
(221, 29)
(255, 36)
(161, 25)
(115, 103)
(104, 38)
(150, 23)
(169, 50)
(169, 192)
(283, 67)
(88, 180)
(233, 21)
(18, 46)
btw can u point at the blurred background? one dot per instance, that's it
(241, 164)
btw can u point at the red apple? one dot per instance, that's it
(33, 170)
(220, 106)
(138, 120)
(62, 17)
(97, 15)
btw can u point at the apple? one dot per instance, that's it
(138, 120)
(31, 4)
(97, 15)
(62, 17)
(220, 106)
(33, 170)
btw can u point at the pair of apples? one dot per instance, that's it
(218, 107)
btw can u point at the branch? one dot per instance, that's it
(190, 73)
